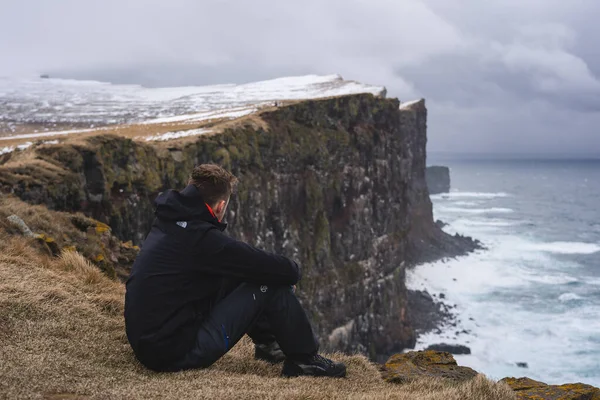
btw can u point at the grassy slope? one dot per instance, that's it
(62, 337)
(62, 230)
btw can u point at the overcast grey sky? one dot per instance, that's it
(518, 76)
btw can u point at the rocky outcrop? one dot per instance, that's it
(529, 389)
(404, 368)
(53, 232)
(17, 222)
(337, 184)
(428, 314)
(438, 179)
(450, 348)
(409, 367)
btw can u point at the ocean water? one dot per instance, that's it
(533, 295)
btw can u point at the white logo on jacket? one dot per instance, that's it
(264, 288)
(182, 224)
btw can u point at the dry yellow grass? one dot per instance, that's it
(7, 129)
(62, 337)
(57, 230)
(130, 131)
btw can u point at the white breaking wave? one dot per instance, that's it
(564, 247)
(569, 297)
(487, 222)
(554, 279)
(478, 195)
(517, 292)
(499, 210)
(466, 203)
(502, 330)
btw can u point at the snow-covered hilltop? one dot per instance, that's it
(53, 104)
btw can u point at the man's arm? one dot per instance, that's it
(243, 261)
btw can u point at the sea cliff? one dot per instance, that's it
(337, 184)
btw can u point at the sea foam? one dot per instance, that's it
(569, 297)
(497, 210)
(564, 247)
(472, 195)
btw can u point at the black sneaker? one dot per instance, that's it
(315, 366)
(269, 353)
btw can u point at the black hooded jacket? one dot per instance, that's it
(177, 276)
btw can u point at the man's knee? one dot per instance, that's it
(282, 297)
(270, 290)
(277, 290)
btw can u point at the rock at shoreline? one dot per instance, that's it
(450, 348)
(438, 179)
(426, 313)
(404, 368)
(529, 389)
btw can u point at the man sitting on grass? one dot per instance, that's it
(194, 291)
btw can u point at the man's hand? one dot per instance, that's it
(293, 288)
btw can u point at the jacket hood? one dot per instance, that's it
(186, 205)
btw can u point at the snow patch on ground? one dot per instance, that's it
(205, 116)
(409, 103)
(52, 102)
(6, 150)
(10, 149)
(44, 134)
(176, 135)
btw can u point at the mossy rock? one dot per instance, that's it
(49, 242)
(404, 368)
(102, 228)
(527, 388)
(82, 222)
(129, 245)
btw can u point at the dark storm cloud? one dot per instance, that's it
(499, 75)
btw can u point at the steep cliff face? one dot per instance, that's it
(337, 184)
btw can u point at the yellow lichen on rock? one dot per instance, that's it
(403, 368)
(529, 389)
(102, 228)
(129, 245)
(48, 242)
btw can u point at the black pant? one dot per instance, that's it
(264, 312)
